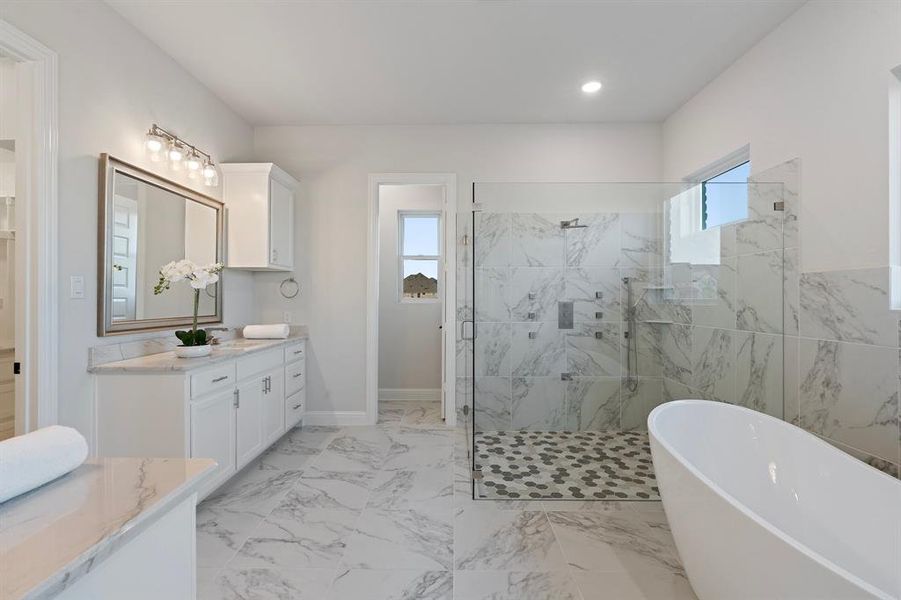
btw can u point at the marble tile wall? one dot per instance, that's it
(822, 354)
(820, 349)
(523, 265)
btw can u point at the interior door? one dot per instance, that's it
(249, 416)
(124, 249)
(213, 432)
(281, 225)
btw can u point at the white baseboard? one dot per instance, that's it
(325, 417)
(411, 394)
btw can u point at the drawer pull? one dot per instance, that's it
(296, 352)
(296, 406)
(296, 375)
(218, 379)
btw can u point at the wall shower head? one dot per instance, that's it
(572, 224)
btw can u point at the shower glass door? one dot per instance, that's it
(594, 303)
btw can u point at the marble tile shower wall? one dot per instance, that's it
(822, 354)
(820, 349)
(524, 264)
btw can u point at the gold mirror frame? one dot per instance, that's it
(109, 166)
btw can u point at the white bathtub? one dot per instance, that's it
(763, 510)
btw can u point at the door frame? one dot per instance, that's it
(36, 404)
(449, 301)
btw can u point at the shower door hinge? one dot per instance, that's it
(779, 206)
(466, 410)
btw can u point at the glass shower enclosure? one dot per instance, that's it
(586, 305)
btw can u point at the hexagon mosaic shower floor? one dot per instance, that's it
(565, 465)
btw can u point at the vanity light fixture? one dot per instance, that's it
(591, 87)
(210, 174)
(176, 155)
(181, 155)
(154, 143)
(193, 163)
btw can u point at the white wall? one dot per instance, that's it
(333, 164)
(814, 88)
(409, 338)
(113, 83)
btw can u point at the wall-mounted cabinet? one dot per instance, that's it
(260, 202)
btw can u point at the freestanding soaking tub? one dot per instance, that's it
(763, 510)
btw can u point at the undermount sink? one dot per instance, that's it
(242, 344)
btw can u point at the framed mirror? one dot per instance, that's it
(146, 221)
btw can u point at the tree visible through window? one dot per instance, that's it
(724, 197)
(419, 255)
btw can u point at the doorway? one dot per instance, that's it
(28, 233)
(411, 303)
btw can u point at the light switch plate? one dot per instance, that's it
(76, 287)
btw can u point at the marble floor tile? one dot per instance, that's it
(401, 539)
(515, 585)
(386, 512)
(512, 540)
(635, 585)
(336, 490)
(389, 415)
(221, 532)
(427, 489)
(267, 584)
(624, 541)
(255, 489)
(367, 584)
(355, 450)
(423, 414)
(290, 539)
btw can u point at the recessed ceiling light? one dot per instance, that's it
(591, 87)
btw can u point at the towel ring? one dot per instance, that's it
(286, 287)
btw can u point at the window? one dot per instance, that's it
(723, 200)
(419, 256)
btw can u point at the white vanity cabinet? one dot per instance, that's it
(230, 411)
(259, 198)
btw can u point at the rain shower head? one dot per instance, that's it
(572, 224)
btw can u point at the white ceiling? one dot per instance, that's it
(434, 61)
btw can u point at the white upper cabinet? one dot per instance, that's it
(260, 202)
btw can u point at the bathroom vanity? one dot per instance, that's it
(230, 406)
(92, 533)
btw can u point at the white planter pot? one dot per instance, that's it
(193, 351)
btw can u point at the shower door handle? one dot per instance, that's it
(471, 328)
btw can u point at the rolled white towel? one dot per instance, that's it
(277, 331)
(31, 460)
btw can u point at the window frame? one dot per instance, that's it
(715, 169)
(401, 257)
(703, 184)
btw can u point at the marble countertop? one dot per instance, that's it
(54, 535)
(166, 362)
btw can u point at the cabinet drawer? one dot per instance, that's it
(261, 361)
(213, 379)
(294, 377)
(295, 352)
(295, 406)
